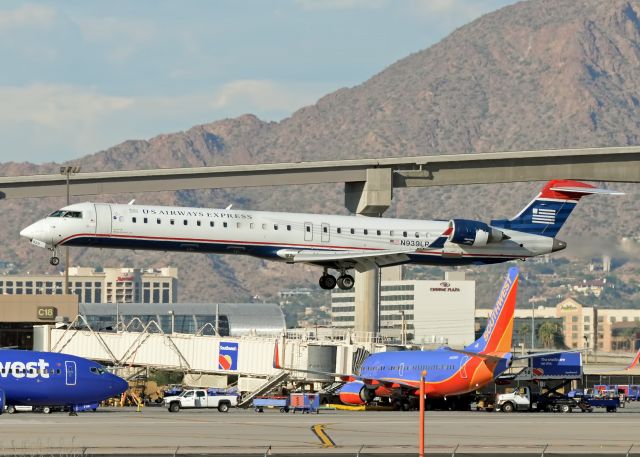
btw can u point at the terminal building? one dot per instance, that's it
(417, 311)
(617, 329)
(20, 313)
(224, 319)
(109, 285)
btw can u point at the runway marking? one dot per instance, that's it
(318, 430)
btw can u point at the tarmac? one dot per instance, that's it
(155, 431)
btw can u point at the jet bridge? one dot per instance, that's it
(247, 359)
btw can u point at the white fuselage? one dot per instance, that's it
(271, 235)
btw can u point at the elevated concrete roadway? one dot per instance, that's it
(598, 164)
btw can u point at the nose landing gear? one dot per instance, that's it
(54, 260)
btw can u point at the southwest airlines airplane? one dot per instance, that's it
(449, 371)
(340, 243)
(49, 379)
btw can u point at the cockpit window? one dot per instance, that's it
(97, 370)
(62, 213)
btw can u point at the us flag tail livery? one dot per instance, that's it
(549, 210)
(498, 333)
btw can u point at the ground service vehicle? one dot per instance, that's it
(200, 398)
(521, 399)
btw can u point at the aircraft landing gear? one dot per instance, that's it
(327, 281)
(346, 282)
(54, 260)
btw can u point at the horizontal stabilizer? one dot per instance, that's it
(492, 357)
(587, 190)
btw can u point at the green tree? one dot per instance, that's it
(550, 334)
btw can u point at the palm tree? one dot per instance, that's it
(549, 333)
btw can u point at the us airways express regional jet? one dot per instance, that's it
(333, 242)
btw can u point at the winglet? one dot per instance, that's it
(634, 362)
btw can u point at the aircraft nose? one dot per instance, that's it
(30, 231)
(119, 384)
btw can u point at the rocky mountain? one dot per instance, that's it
(539, 74)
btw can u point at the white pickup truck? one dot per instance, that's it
(200, 398)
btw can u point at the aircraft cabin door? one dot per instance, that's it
(463, 366)
(325, 233)
(401, 370)
(308, 231)
(103, 219)
(71, 372)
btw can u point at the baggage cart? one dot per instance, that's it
(259, 403)
(305, 402)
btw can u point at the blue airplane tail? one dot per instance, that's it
(549, 210)
(498, 333)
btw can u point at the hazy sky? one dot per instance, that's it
(79, 76)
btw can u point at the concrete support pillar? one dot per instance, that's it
(366, 301)
(370, 198)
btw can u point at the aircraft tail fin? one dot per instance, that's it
(549, 210)
(277, 358)
(634, 362)
(498, 333)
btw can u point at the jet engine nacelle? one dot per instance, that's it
(473, 233)
(356, 393)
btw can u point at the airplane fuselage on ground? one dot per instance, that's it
(54, 379)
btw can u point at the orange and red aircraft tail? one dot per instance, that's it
(498, 334)
(276, 355)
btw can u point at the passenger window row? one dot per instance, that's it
(352, 231)
(325, 228)
(251, 225)
(30, 371)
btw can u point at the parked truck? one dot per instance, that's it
(522, 399)
(200, 398)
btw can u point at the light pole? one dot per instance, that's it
(586, 349)
(533, 327)
(173, 321)
(67, 172)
